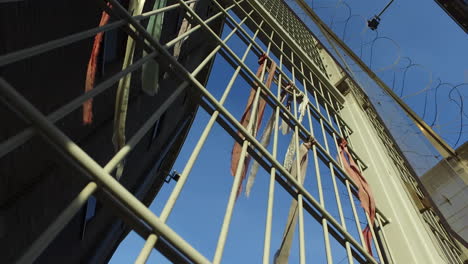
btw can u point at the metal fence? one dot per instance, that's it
(299, 67)
(445, 241)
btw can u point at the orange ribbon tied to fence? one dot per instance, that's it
(91, 71)
(246, 117)
(364, 191)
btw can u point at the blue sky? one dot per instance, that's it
(423, 32)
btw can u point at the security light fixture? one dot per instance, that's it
(374, 22)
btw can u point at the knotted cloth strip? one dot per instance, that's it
(288, 159)
(282, 254)
(123, 90)
(288, 91)
(245, 119)
(364, 192)
(91, 71)
(265, 141)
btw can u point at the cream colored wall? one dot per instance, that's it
(409, 239)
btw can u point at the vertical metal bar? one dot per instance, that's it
(201, 141)
(335, 186)
(371, 227)
(351, 200)
(320, 189)
(326, 109)
(387, 248)
(271, 187)
(298, 175)
(324, 133)
(237, 178)
(146, 250)
(377, 247)
(343, 222)
(340, 211)
(322, 203)
(355, 213)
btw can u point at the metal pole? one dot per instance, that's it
(385, 8)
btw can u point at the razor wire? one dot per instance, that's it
(412, 81)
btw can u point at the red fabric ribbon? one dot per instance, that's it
(91, 71)
(245, 119)
(364, 191)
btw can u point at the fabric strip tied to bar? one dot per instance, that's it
(264, 141)
(91, 71)
(282, 254)
(245, 119)
(364, 191)
(289, 98)
(287, 93)
(123, 91)
(289, 157)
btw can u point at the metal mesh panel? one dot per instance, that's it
(296, 28)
